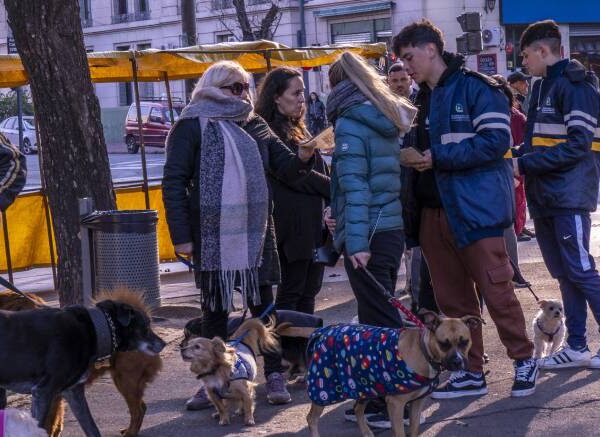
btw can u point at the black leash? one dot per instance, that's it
(518, 278)
(14, 289)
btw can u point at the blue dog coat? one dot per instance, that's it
(357, 362)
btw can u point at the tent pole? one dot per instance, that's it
(168, 87)
(140, 130)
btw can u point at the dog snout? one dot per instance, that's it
(455, 362)
(557, 314)
(156, 343)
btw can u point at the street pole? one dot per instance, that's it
(302, 43)
(188, 28)
(20, 116)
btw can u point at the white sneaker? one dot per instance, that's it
(595, 361)
(566, 357)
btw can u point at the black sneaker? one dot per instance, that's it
(526, 373)
(462, 383)
(523, 237)
(371, 409)
(380, 420)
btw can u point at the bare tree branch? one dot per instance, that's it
(267, 22)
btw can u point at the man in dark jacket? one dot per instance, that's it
(462, 200)
(13, 172)
(520, 86)
(562, 181)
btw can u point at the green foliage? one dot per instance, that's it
(8, 104)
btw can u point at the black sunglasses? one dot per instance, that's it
(237, 88)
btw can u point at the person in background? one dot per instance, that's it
(365, 191)
(317, 120)
(519, 83)
(561, 181)
(464, 200)
(399, 81)
(298, 208)
(218, 204)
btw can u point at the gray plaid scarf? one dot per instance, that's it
(233, 198)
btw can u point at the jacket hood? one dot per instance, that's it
(368, 114)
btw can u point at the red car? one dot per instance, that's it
(156, 123)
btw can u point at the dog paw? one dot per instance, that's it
(224, 422)
(249, 422)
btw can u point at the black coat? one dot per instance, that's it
(298, 211)
(180, 185)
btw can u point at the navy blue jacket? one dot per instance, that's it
(469, 130)
(561, 175)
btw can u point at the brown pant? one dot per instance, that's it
(454, 274)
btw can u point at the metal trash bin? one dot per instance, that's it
(124, 252)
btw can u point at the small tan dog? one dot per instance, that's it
(548, 328)
(415, 363)
(228, 370)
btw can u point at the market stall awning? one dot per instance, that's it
(190, 62)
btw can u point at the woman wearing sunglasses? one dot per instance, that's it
(218, 203)
(298, 208)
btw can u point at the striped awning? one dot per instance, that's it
(358, 9)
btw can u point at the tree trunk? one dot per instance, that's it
(49, 39)
(188, 27)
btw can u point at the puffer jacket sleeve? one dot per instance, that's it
(182, 146)
(490, 118)
(352, 171)
(13, 172)
(580, 108)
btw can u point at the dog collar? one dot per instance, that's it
(211, 372)
(106, 334)
(434, 364)
(547, 333)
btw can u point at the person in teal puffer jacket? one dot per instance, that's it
(368, 121)
(365, 183)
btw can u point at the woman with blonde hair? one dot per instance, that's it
(365, 190)
(219, 206)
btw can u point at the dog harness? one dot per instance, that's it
(245, 363)
(551, 336)
(358, 362)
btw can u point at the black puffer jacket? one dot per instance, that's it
(13, 172)
(180, 185)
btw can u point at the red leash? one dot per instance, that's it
(394, 301)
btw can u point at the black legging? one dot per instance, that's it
(214, 324)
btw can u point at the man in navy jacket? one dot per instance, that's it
(562, 178)
(462, 200)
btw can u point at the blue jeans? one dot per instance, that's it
(565, 245)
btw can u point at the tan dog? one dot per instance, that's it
(548, 328)
(228, 371)
(444, 343)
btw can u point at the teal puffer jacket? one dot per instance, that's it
(365, 179)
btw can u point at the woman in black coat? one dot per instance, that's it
(298, 207)
(218, 202)
(316, 114)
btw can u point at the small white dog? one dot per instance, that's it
(18, 423)
(548, 328)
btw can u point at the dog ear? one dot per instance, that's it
(430, 319)
(218, 345)
(472, 322)
(541, 303)
(124, 314)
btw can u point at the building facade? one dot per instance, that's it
(141, 24)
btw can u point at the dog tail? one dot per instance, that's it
(258, 336)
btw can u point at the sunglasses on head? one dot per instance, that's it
(237, 88)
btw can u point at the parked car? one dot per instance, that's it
(156, 123)
(10, 129)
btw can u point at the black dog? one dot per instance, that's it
(47, 352)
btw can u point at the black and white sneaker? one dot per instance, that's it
(380, 420)
(372, 408)
(461, 383)
(567, 357)
(526, 373)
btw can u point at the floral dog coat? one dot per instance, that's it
(357, 362)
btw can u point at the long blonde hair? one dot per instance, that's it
(356, 69)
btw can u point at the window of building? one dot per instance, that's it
(85, 13)
(119, 11)
(225, 37)
(221, 4)
(366, 31)
(584, 43)
(142, 10)
(514, 60)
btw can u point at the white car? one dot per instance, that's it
(10, 129)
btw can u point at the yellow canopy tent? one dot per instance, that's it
(189, 62)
